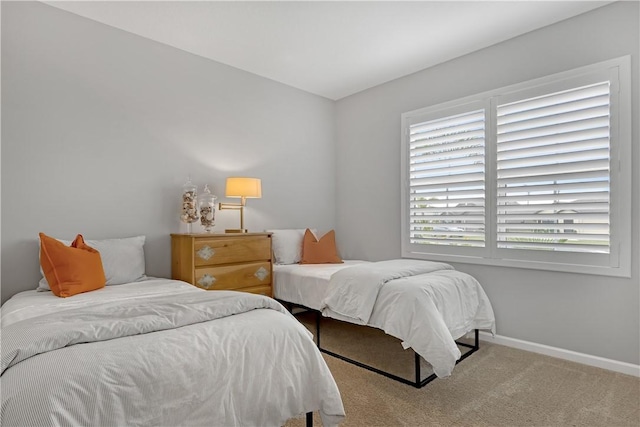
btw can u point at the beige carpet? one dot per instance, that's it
(496, 386)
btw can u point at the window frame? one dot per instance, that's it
(618, 262)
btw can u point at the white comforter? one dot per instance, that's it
(352, 292)
(427, 305)
(164, 355)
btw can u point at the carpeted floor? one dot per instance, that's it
(496, 386)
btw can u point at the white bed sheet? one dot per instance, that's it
(215, 372)
(305, 284)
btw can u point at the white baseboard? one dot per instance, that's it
(560, 353)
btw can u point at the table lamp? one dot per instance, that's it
(243, 188)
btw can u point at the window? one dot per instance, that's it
(536, 175)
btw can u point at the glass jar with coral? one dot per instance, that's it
(207, 208)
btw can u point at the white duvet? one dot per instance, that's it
(428, 305)
(353, 291)
(161, 353)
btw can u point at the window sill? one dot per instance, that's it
(623, 271)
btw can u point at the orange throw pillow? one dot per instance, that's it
(71, 270)
(321, 251)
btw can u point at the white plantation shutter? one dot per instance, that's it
(533, 175)
(447, 180)
(553, 185)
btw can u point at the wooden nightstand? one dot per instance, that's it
(229, 261)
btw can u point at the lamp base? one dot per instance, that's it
(236, 230)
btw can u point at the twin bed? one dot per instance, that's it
(427, 305)
(159, 352)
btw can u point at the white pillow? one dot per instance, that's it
(122, 260)
(287, 245)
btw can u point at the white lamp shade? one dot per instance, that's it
(250, 188)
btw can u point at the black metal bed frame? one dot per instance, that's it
(418, 383)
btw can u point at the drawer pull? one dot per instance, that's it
(262, 273)
(206, 252)
(207, 281)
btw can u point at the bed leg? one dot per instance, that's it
(318, 328)
(417, 384)
(309, 419)
(476, 344)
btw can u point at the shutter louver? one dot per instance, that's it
(553, 187)
(447, 181)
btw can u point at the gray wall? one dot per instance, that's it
(589, 314)
(100, 129)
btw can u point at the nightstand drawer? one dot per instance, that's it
(234, 277)
(226, 251)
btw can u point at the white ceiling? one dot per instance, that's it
(330, 48)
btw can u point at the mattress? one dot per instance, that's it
(159, 352)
